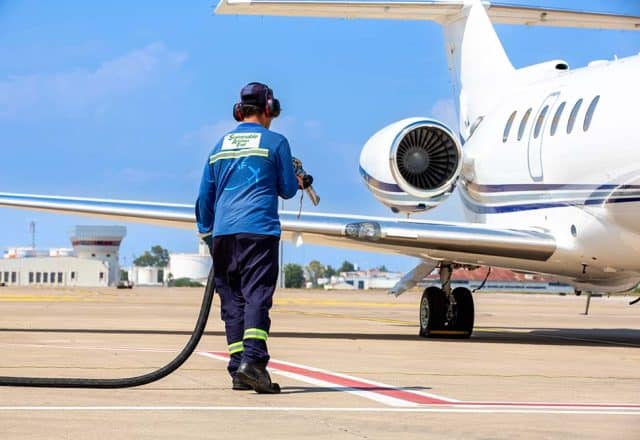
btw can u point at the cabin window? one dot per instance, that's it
(14, 277)
(101, 276)
(540, 121)
(556, 118)
(589, 116)
(59, 277)
(45, 277)
(573, 115)
(38, 277)
(73, 275)
(523, 124)
(507, 128)
(30, 277)
(52, 277)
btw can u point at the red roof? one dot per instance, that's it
(497, 274)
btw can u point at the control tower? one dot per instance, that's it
(100, 243)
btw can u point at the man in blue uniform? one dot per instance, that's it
(237, 214)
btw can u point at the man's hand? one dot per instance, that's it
(304, 181)
(208, 240)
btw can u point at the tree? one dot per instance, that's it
(347, 266)
(315, 270)
(383, 268)
(158, 257)
(330, 272)
(293, 276)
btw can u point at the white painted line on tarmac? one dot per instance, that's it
(422, 409)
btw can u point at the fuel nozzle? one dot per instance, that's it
(306, 181)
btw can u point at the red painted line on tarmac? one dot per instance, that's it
(356, 384)
(420, 399)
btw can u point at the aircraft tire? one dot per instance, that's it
(465, 314)
(433, 309)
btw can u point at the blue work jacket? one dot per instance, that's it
(245, 173)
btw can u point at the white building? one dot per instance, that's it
(54, 272)
(366, 279)
(24, 252)
(192, 266)
(92, 262)
(147, 275)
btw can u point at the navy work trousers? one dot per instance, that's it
(246, 272)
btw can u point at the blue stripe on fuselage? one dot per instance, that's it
(480, 208)
(521, 187)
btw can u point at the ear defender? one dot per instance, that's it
(274, 108)
(272, 105)
(268, 102)
(237, 112)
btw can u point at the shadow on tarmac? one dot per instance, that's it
(496, 335)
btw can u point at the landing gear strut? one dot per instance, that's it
(446, 313)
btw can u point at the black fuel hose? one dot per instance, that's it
(127, 382)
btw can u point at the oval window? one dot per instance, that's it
(540, 121)
(507, 128)
(556, 118)
(589, 116)
(523, 124)
(573, 116)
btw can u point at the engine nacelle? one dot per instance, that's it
(411, 165)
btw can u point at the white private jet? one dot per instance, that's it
(549, 174)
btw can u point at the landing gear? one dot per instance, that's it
(586, 307)
(433, 311)
(446, 313)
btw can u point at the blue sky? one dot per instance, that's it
(124, 99)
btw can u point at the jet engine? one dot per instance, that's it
(411, 165)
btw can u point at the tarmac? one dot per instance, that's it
(350, 365)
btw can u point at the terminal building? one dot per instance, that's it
(91, 262)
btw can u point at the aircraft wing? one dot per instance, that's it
(463, 243)
(439, 11)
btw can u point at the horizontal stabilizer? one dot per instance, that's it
(439, 11)
(561, 17)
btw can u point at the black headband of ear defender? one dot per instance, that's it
(257, 95)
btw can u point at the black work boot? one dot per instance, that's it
(239, 385)
(255, 375)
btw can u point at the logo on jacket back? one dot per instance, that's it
(234, 141)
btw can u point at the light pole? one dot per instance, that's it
(32, 230)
